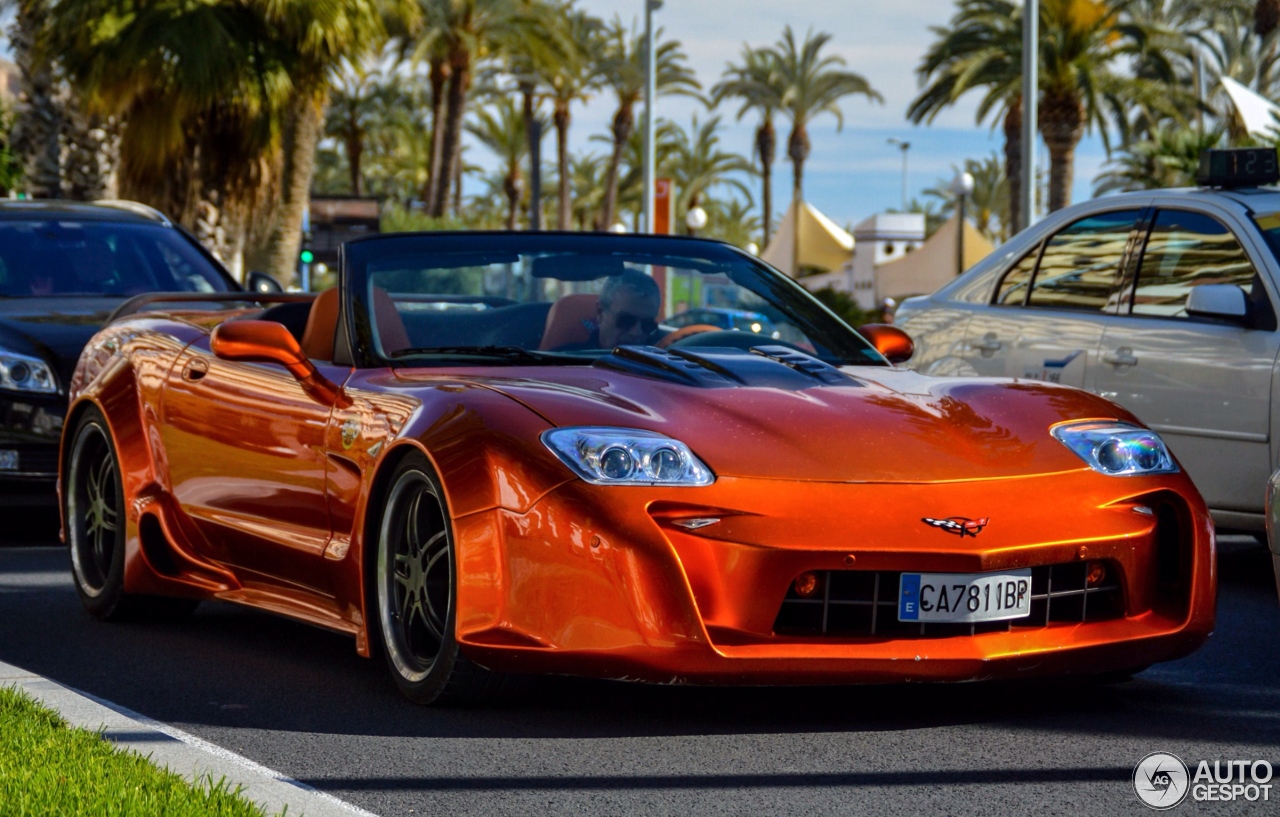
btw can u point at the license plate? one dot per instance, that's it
(964, 597)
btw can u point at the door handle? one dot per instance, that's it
(988, 345)
(1120, 357)
(195, 370)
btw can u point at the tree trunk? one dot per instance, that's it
(767, 147)
(1013, 165)
(623, 123)
(798, 148)
(1062, 125)
(438, 76)
(39, 119)
(512, 186)
(459, 84)
(301, 134)
(564, 207)
(1266, 17)
(533, 135)
(355, 154)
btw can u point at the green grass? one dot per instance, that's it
(48, 768)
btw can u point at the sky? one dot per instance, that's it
(852, 173)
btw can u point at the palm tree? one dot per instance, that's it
(572, 80)
(757, 82)
(731, 220)
(39, 119)
(586, 180)
(357, 105)
(623, 69)
(316, 37)
(1170, 158)
(697, 165)
(500, 128)
(815, 85)
(199, 134)
(987, 207)
(461, 31)
(981, 49)
(1081, 83)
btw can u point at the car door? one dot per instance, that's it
(1204, 385)
(246, 450)
(1044, 319)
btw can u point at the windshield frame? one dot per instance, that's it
(356, 257)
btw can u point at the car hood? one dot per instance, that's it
(55, 329)
(856, 424)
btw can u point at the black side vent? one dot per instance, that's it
(1172, 543)
(801, 362)
(773, 367)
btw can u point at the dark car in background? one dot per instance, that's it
(64, 268)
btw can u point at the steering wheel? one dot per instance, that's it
(684, 332)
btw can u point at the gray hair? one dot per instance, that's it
(633, 280)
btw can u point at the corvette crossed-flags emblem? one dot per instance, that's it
(959, 525)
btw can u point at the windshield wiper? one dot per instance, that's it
(503, 353)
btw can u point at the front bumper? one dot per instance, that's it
(31, 426)
(604, 582)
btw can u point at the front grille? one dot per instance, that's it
(864, 603)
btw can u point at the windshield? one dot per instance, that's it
(59, 258)
(557, 298)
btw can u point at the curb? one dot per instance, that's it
(179, 752)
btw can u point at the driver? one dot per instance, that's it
(627, 311)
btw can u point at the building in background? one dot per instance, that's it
(893, 259)
(335, 219)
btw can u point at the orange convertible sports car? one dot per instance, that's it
(486, 453)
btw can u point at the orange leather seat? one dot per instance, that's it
(322, 324)
(571, 320)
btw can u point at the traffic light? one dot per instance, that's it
(307, 256)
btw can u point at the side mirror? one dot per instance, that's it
(261, 282)
(889, 341)
(270, 342)
(1222, 301)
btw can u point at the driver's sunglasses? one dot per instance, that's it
(626, 321)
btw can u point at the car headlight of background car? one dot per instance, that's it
(26, 373)
(1117, 449)
(627, 456)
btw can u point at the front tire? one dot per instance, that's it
(94, 500)
(94, 506)
(416, 579)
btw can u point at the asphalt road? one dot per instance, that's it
(300, 700)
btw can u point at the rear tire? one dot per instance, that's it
(93, 497)
(415, 578)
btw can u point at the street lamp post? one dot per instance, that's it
(904, 147)
(650, 91)
(962, 187)
(1030, 104)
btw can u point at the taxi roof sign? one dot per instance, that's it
(1238, 167)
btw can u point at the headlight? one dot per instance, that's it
(627, 456)
(23, 373)
(1117, 449)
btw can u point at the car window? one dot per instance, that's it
(1081, 263)
(57, 258)
(1013, 287)
(1183, 251)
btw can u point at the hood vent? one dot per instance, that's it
(775, 367)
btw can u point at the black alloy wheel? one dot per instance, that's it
(416, 577)
(94, 500)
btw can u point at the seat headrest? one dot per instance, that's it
(569, 321)
(322, 325)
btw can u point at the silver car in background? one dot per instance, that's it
(1164, 301)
